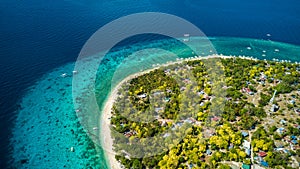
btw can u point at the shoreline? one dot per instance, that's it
(105, 133)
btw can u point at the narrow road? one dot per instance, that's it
(251, 147)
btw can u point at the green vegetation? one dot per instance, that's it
(157, 102)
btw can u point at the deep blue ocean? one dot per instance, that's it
(39, 37)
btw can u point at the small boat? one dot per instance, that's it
(186, 35)
(269, 35)
(75, 71)
(276, 50)
(63, 75)
(95, 128)
(249, 48)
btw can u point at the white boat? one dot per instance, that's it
(63, 75)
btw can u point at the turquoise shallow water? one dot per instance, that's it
(47, 125)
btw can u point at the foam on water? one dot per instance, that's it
(47, 125)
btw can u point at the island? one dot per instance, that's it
(256, 123)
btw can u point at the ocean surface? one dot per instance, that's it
(40, 40)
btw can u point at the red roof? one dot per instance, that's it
(262, 154)
(215, 118)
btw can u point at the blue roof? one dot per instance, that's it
(248, 152)
(245, 134)
(246, 166)
(265, 164)
(293, 137)
(287, 151)
(294, 141)
(208, 152)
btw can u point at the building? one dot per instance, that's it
(246, 166)
(293, 137)
(129, 134)
(216, 118)
(246, 144)
(279, 144)
(262, 154)
(208, 152)
(264, 164)
(274, 108)
(280, 130)
(245, 134)
(283, 122)
(292, 101)
(248, 152)
(158, 109)
(142, 96)
(294, 141)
